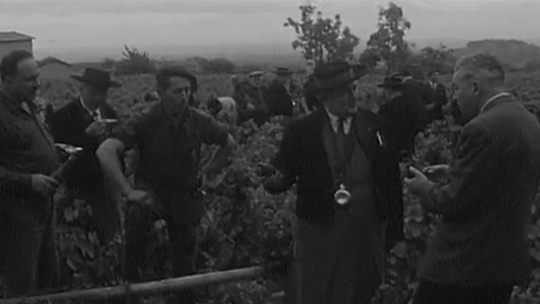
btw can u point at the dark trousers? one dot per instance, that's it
(28, 260)
(431, 293)
(181, 228)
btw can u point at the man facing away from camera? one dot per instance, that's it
(479, 250)
(349, 204)
(27, 159)
(168, 138)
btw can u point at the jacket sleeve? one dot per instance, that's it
(286, 160)
(393, 189)
(474, 155)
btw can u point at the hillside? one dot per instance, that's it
(512, 52)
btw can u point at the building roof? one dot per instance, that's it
(13, 37)
(52, 60)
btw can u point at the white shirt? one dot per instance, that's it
(492, 99)
(96, 113)
(334, 120)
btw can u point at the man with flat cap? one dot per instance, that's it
(249, 99)
(349, 204)
(85, 122)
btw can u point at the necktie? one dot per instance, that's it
(340, 141)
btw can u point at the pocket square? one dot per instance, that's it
(380, 139)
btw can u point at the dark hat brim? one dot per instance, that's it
(111, 83)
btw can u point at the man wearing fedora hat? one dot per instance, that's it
(278, 95)
(404, 116)
(83, 123)
(349, 204)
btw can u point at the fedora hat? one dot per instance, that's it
(334, 74)
(394, 81)
(96, 77)
(282, 71)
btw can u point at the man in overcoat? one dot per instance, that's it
(278, 96)
(349, 205)
(436, 97)
(479, 250)
(83, 123)
(27, 160)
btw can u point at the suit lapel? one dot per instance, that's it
(364, 134)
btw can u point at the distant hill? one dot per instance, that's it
(511, 52)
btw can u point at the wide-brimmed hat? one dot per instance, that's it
(282, 71)
(394, 81)
(334, 74)
(96, 77)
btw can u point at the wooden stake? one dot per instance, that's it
(145, 288)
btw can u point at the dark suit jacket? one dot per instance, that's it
(68, 125)
(486, 205)
(437, 97)
(302, 159)
(278, 100)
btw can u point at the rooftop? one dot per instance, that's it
(52, 60)
(13, 37)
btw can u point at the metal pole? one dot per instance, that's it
(145, 288)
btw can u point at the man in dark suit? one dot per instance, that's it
(84, 123)
(278, 96)
(403, 114)
(479, 250)
(436, 97)
(349, 193)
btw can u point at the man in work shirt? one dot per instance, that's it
(27, 158)
(168, 137)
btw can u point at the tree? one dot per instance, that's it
(135, 62)
(388, 43)
(322, 39)
(437, 59)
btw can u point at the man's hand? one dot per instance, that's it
(418, 182)
(43, 184)
(136, 196)
(436, 169)
(97, 128)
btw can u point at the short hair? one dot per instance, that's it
(486, 66)
(10, 62)
(164, 75)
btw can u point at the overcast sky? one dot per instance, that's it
(99, 23)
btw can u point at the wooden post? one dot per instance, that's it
(145, 288)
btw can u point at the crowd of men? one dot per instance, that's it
(343, 159)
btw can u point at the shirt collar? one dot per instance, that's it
(493, 98)
(334, 120)
(96, 112)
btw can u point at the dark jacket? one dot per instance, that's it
(404, 120)
(436, 96)
(68, 125)
(302, 159)
(486, 206)
(278, 100)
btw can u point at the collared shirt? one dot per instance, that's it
(493, 99)
(334, 121)
(96, 114)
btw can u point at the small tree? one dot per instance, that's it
(388, 42)
(135, 62)
(322, 39)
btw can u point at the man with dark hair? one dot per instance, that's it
(168, 138)
(27, 159)
(349, 204)
(436, 97)
(479, 250)
(85, 122)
